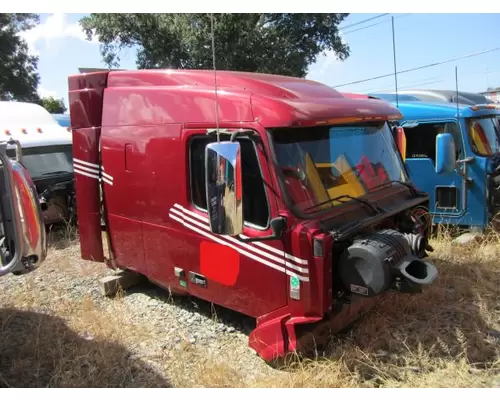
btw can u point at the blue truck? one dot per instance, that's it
(63, 120)
(467, 196)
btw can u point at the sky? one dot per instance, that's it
(421, 39)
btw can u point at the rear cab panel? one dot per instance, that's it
(85, 101)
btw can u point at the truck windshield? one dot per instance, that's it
(42, 162)
(485, 135)
(322, 163)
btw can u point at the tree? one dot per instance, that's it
(271, 43)
(54, 106)
(18, 69)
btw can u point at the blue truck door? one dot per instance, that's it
(448, 192)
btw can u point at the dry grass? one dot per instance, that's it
(445, 337)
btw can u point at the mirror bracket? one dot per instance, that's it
(463, 173)
(240, 133)
(466, 160)
(231, 132)
(19, 152)
(278, 226)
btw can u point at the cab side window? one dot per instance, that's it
(255, 205)
(421, 140)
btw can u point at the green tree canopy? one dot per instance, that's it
(271, 43)
(54, 106)
(18, 69)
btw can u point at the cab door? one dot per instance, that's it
(247, 277)
(448, 192)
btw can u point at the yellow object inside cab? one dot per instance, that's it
(330, 180)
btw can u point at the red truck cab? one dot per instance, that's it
(212, 195)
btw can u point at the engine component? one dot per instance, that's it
(384, 260)
(418, 244)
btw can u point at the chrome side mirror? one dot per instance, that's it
(223, 180)
(445, 153)
(23, 243)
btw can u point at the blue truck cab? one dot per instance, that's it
(464, 136)
(63, 120)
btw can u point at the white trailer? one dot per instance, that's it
(46, 150)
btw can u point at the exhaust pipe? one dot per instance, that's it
(413, 273)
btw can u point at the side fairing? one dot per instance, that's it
(86, 99)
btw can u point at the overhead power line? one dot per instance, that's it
(363, 21)
(371, 25)
(404, 87)
(418, 82)
(420, 67)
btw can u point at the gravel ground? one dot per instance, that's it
(168, 326)
(57, 330)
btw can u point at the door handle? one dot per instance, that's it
(198, 279)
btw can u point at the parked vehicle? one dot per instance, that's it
(275, 197)
(391, 97)
(46, 154)
(23, 244)
(63, 120)
(469, 195)
(436, 96)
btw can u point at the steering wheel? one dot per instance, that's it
(296, 173)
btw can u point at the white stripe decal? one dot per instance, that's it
(238, 243)
(82, 168)
(180, 210)
(180, 213)
(274, 250)
(104, 179)
(267, 247)
(77, 160)
(239, 250)
(106, 175)
(77, 171)
(92, 171)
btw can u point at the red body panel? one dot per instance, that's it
(85, 101)
(148, 119)
(29, 212)
(86, 167)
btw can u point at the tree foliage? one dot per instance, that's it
(18, 69)
(271, 43)
(54, 106)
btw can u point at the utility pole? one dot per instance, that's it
(394, 53)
